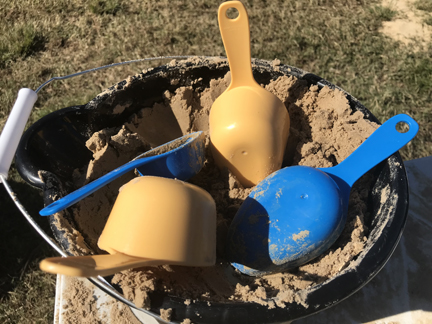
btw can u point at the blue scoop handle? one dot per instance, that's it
(88, 189)
(383, 142)
(184, 159)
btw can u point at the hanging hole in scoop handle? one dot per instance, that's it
(232, 13)
(236, 38)
(383, 142)
(402, 127)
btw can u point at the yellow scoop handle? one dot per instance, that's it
(236, 38)
(95, 265)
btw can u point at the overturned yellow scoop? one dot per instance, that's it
(249, 126)
(154, 221)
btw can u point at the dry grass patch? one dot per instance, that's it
(32, 299)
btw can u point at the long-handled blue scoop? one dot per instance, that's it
(298, 212)
(181, 159)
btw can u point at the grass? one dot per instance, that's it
(338, 40)
(31, 301)
(383, 13)
(20, 42)
(26, 293)
(425, 5)
(105, 7)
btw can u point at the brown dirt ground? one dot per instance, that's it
(408, 27)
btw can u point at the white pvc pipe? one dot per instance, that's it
(14, 128)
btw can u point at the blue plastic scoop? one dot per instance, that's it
(181, 158)
(298, 212)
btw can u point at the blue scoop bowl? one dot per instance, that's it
(298, 212)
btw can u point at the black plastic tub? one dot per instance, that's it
(56, 144)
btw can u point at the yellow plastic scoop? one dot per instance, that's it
(249, 126)
(154, 221)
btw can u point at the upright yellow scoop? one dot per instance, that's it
(249, 126)
(154, 221)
